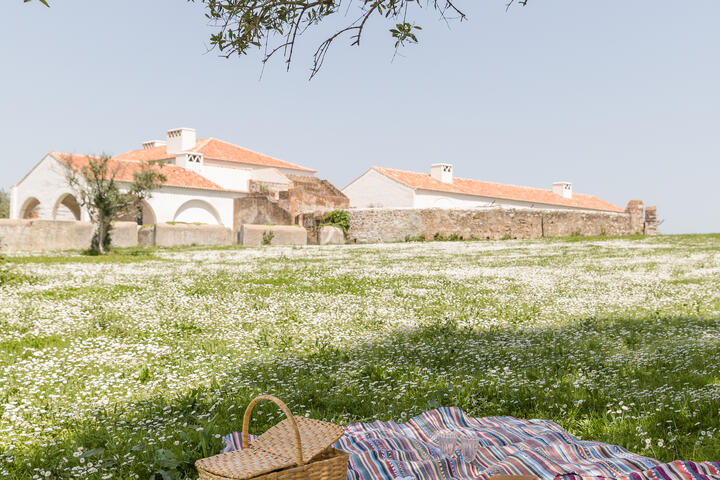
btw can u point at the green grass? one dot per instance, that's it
(137, 362)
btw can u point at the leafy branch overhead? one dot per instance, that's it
(275, 26)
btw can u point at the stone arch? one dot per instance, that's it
(66, 208)
(197, 211)
(148, 214)
(147, 218)
(30, 209)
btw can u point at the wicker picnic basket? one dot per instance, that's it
(297, 448)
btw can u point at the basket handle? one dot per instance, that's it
(288, 414)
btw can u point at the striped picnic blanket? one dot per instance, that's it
(508, 446)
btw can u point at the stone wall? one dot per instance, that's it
(184, 234)
(124, 234)
(311, 194)
(46, 235)
(366, 226)
(277, 235)
(259, 209)
(395, 225)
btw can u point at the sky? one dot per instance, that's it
(620, 98)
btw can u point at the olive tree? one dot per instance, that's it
(99, 192)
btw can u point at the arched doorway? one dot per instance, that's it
(197, 211)
(66, 208)
(30, 209)
(144, 216)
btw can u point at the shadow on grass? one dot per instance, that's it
(614, 380)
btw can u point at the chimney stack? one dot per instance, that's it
(442, 172)
(180, 140)
(564, 189)
(152, 144)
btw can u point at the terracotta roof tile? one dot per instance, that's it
(175, 176)
(466, 186)
(213, 149)
(145, 154)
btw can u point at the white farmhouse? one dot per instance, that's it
(388, 188)
(203, 179)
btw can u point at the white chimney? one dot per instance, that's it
(564, 189)
(180, 140)
(153, 143)
(442, 172)
(189, 160)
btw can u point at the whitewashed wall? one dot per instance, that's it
(228, 178)
(433, 199)
(373, 189)
(47, 183)
(173, 204)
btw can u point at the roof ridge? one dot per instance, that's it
(204, 142)
(469, 186)
(299, 167)
(481, 181)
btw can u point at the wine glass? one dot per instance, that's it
(468, 448)
(446, 439)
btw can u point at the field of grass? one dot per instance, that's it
(133, 365)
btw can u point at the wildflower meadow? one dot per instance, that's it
(133, 365)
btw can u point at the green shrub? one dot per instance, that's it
(268, 235)
(409, 238)
(337, 218)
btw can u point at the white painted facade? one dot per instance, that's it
(375, 190)
(433, 199)
(44, 192)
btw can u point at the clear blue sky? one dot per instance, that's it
(620, 97)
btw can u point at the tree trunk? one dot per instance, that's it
(101, 236)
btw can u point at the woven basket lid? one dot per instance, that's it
(275, 449)
(316, 436)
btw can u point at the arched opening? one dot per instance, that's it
(148, 214)
(66, 208)
(145, 215)
(197, 211)
(30, 209)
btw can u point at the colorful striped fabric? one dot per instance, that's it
(509, 446)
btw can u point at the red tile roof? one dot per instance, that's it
(125, 170)
(466, 186)
(213, 149)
